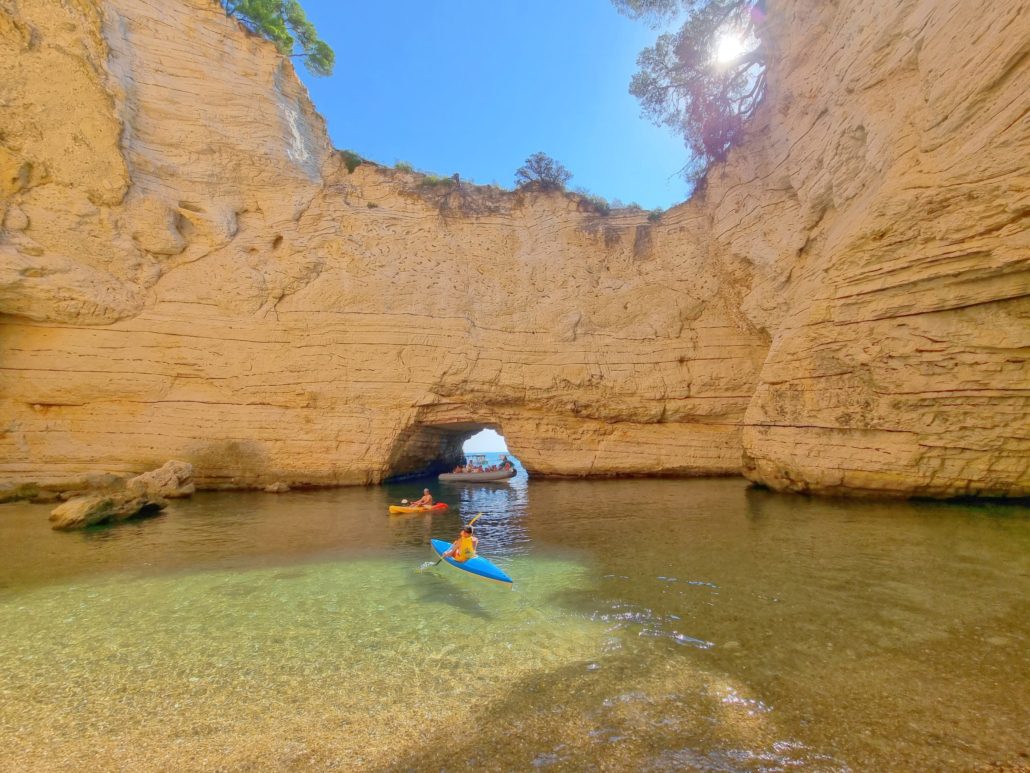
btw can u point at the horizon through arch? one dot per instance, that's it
(485, 441)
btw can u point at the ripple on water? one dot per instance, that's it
(149, 662)
(337, 661)
(255, 632)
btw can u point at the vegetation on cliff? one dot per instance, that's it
(285, 24)
(542, 171)
(705, 80)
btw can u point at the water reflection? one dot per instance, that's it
(654, 625)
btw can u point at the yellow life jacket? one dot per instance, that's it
(465, 550)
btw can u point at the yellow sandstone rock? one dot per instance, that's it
(187, 270)
(103, 508)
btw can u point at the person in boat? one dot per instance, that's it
(463, 548)
(425, 501)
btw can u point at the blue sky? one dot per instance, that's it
(475, 87)
(485, 441)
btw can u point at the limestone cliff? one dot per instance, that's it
(187, 270)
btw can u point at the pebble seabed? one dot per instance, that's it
(744, 631)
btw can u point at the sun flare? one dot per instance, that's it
(729, 47)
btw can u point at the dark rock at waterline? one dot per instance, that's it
(26, 491)
(101, 508)
(43, 493)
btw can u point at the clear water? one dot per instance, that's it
(654, 625)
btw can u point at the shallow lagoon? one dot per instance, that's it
(654, 625)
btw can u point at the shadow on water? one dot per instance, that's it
(433, 587)
(625, 715)
(113, 530)
(762, 502)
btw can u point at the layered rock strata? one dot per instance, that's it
(900, 362)
(188, 270)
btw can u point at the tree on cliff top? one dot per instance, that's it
(285, 24)
(542, 171)
(706, 80)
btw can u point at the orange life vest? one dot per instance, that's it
(465, 549)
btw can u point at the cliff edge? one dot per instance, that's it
(188, 270)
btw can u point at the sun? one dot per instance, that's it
(728, 47)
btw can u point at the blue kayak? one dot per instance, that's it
(477, 566)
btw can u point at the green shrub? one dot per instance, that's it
(598, 203)
(543, 172)
(433, 180)
(286, 25)
(351, 160)
(655, 214)
(403, 166)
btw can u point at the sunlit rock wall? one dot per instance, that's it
(883, 205)
(188, 271)
(235, 297)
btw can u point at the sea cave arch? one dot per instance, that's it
(430, 447)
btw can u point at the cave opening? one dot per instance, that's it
(486, 441)
(426, 450)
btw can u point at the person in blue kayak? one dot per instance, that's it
(425, 501)
(463, 548)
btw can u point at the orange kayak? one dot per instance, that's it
(398, 509)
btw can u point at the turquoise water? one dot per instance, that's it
(654, 625)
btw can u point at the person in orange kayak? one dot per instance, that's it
(425, 501)
(463, 548)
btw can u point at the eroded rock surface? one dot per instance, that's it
(173, 480)
(188, 271)
(144, 494)
(103, 508)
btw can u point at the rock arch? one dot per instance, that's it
(842, 310)
(429, 449)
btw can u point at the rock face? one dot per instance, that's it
(188, 270)
(172, 480)
(899, 361)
